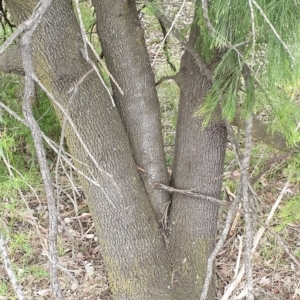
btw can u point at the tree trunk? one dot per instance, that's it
(123, 45)
(198, 165)
(131, 242)
(126, 218)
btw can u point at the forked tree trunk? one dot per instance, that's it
(127, 215)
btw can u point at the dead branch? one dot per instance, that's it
(282, 243)
(227, 225)
(9, 270)
(246, 197)
(162, 79)
(278, 159)
(192, 193)
(29, 95)
(231, 287)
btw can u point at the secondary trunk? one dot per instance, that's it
(198, 165)
(131, 243)
(123, 45)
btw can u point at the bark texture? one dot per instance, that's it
(11, 60)
(198, 165)
(127, 223)
(123, 44)
(131, 242)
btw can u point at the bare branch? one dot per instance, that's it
(210, 262)
(247, 207)
(85, 54)
(54, 147)
(192, 193)
(168, 24)
(230, 288)
(168, 33)
(162, 79)
(9, 270)
(29, 95)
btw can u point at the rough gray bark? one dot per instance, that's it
(198, 165)
(122, 41)
(131, 243)
(127, 224)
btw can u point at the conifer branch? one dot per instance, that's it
(214, 32)
(274, 30)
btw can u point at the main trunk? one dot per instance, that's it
(131, 242)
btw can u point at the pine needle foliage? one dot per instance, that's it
(264, 35)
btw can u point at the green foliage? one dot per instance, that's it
(3, 289)
(267, 39)
(36, 271)
(45, 115)
(21, 242)
(227, 85)
(290, 213)
(16, 145)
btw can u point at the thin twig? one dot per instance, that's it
(210, 262)
(282, 243)
(192, 193)
(169, 31)
(29, 95)
(9, 269)
(85, 54)
(32, 220)
(231, 287)
(234, 143)
(175, 32)
(55, 148)
(280, 158)
(253, 32)
(162, 79)
(247, 206)
(238, 260)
